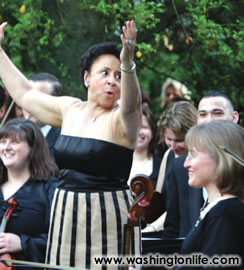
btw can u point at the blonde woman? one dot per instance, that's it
(215, 161)
(172, 88)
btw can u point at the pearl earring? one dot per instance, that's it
(86, 84)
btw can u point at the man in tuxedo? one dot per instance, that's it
(55, 89)
(183, 201)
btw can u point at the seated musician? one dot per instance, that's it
(27, 173)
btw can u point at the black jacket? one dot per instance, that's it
(183, 202)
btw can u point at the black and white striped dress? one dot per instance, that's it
(91, 203)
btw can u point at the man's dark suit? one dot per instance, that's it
(183, 202)
(51, 138)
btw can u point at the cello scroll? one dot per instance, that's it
(142, 187)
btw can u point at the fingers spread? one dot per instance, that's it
(129, 31)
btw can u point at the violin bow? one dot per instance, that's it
(234, 156)
(18, 263)
(6, 115)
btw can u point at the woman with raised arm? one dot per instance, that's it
(94, 150)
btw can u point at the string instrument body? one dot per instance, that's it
(6, 217)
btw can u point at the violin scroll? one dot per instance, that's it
(12, 202)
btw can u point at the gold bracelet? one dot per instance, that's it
(133, 68)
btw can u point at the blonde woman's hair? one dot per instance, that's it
(186, 93)
(213, 137)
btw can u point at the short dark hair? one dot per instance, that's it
(41, 165)
(47, 77)
(2, 96)
(147, 112)
(90, 56)
(218, 94)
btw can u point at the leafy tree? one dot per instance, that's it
(198, 42)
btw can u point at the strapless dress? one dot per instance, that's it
(91, 203)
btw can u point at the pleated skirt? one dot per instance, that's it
(87, 225)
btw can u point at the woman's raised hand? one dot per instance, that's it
(2, 26)
(128, 38)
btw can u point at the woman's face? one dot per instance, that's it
(104, 80)
(14, 152)
(171, 92)
(175, 142)
(145, 135)
(201, 168)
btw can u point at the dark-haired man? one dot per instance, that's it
(55, 88)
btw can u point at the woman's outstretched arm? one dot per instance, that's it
(25, 93)
(130, 100)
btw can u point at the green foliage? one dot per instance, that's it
(31, 35)
(199, 42)
(217, 29)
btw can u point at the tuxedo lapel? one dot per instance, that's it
(195, 202)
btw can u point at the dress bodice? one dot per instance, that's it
(91, 162)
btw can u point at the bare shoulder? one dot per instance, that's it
(68, 103)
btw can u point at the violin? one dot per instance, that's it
(12, 205)
(142, 187)
(7, 261)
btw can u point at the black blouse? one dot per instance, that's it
(220, 232)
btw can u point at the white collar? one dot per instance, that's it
(45, 129)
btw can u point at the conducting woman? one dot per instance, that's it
(94, 151)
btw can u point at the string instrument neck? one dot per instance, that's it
(142, 188)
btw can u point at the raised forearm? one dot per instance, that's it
(130, 92)
(14, 81)
(130, 105)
